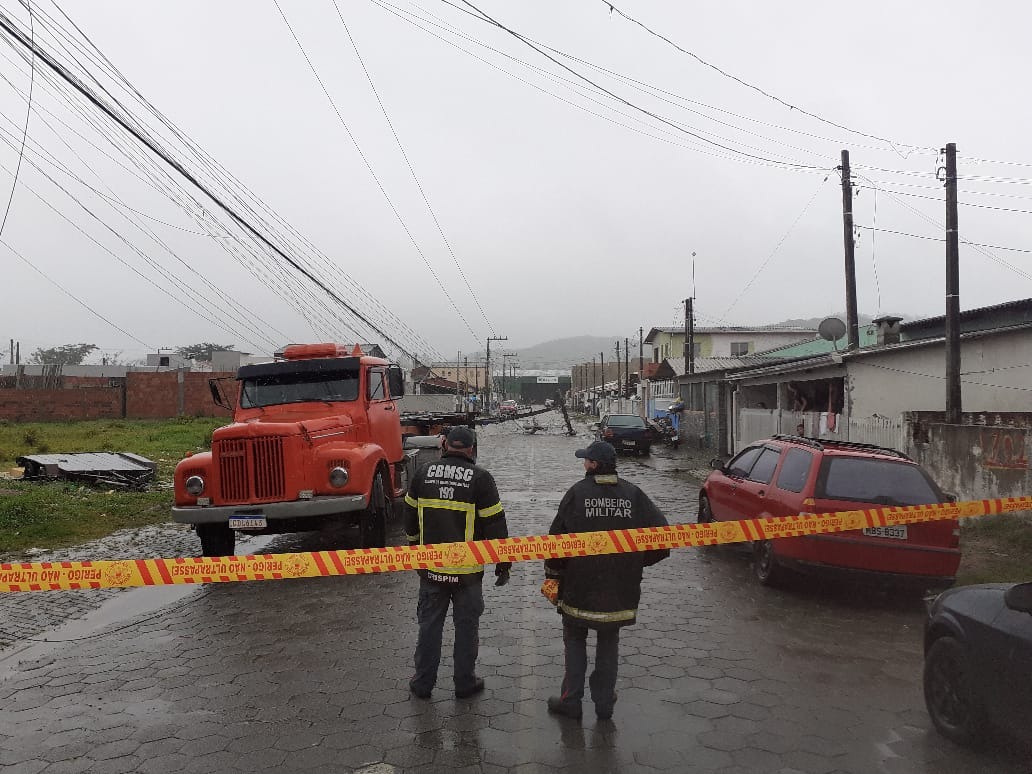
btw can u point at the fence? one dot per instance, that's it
(754, 424)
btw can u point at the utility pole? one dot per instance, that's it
(689, 336)
(852, 324)
(602, 366)
(953, 404)
(458, 405)
(594, 381)
(641, 354)
(627, 367)
(487, 391)
(618, 361)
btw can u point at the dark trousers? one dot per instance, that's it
(467, 603)
(603, 678)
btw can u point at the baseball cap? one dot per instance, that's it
(599, 451)
(460, 437)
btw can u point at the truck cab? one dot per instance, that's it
(315, 440)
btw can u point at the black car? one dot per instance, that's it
(978, 662)
(626, 432)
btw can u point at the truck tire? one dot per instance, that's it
(373, 526)
(216, 539)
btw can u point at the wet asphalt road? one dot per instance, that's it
(311, 675)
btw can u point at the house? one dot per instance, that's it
(726, 341)
(861, 394)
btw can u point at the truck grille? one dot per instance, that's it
(250, 469)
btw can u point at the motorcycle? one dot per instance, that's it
(664, 428)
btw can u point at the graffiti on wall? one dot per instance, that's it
(1004, 448)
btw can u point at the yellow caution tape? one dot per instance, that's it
(53, 576)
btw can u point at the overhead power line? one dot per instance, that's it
(411, 169)
(28, 113)
(655, 116)
(376, 179)
(19, 36)
(894, 145)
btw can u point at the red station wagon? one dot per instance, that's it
(789, 475)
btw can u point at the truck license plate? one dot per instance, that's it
(247, 522)
(898, 532)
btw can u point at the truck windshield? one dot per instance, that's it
(298, 388)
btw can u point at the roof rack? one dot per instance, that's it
(825, 442)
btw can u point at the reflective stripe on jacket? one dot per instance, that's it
(453, 500)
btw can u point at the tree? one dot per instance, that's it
(66, 354)
(200, 352)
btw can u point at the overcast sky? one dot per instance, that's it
(567, 212)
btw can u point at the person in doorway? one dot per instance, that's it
(452, 500)
(597, 592)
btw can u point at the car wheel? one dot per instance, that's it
(374, 520)
(950, 694)
(216, 539)
(705, 515)
(769, 571)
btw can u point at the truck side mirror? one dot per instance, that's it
(396, 382)
(217, 394)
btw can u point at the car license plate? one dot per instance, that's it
(247, 522)
(628, 443)
(898, 532)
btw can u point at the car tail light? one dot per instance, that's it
(608, 433)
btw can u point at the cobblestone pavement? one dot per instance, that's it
(719, 674)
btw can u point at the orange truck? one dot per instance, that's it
(316, 440)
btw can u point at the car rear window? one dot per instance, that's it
(763, 469)
(795, 470)
(875, 481)
(626, 421)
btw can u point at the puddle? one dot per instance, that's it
(118, 609)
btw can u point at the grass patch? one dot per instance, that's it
(56, 514)
(996, 549)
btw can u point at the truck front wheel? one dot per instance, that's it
(376, 515)
(216, 539)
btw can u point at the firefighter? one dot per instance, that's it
(452, 500)
(597, 592)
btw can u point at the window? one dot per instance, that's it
(795, 470)
(622, 420)
(739, 348)
(376, 390)
(763, 470)
(298, 388)
(163, 361)
(875, 481)
(741, 464)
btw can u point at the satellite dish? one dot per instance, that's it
(831, 329)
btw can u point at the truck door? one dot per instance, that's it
(384, 423)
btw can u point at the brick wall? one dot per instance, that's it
(141, 395)
(61, 405)
(160, 395)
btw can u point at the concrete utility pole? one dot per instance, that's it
(594, 381)
(953, 403)
(602, 367)
(641, 354)
(618, 361)
(689, 336)
(852, 323)
(627, 368)
(487, 390)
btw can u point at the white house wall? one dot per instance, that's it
(996, 375)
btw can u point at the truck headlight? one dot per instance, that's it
(338, 477)
(194, 485)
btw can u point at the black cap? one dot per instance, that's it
(599, 451)
(460, 437)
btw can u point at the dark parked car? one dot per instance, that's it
(789, 475)
(626, 432)
(978, 662)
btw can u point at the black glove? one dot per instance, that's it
(502, 571)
